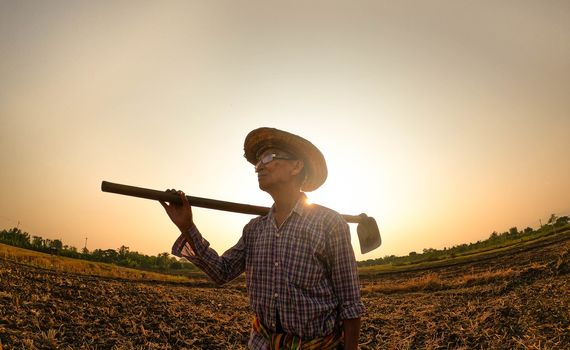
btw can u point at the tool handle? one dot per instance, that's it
(173, 198)
(140, 192)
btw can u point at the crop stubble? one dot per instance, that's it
(514, 301)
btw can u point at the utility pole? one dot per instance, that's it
(85, 243)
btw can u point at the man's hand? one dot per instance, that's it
(181, 215)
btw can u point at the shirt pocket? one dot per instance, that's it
(305, 269)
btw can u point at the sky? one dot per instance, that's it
(444, 120)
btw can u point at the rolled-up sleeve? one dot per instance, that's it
(344, 271)
(221, 269)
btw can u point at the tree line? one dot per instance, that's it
(555, 224)
(164, 262)
(121, 256)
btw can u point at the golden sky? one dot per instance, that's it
(444, 120)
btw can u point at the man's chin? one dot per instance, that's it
(262, 185)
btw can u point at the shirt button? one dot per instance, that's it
(273, 325)
(276, 263)
(276, 295)
(277, 234)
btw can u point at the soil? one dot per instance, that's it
(516, 300)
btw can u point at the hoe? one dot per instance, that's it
(367, 229)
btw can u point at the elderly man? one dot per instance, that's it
(300, 268)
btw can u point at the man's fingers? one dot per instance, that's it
(184, 199)
(179, 212)
(163, 203)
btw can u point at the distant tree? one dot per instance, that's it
(123, 251)
(561, 221)
(176, 265)
(37, 242)
(57, 244)
(110, 255)
(513, 231)
(15, 237)
(552, 219)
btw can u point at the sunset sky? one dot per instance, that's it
(444, 120)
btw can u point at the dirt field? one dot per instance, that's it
(519, 300)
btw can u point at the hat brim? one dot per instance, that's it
(315, 164)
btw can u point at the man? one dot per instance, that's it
(300, 268)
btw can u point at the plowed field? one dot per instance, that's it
(517, 300)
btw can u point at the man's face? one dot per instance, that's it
(274, 167)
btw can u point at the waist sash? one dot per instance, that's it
(285, 341)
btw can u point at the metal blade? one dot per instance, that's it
(368, 234)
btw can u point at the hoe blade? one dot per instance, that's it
(368, 234)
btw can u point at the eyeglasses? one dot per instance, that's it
(268, 158)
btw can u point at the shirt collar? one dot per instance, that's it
(299, 207)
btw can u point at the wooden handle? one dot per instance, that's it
(140, 192)
(367, 229)
(172, 198)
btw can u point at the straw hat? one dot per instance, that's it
(315, 164)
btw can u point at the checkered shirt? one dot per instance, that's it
(305, 270)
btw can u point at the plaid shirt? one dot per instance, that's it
(305, 270)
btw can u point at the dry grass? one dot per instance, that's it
(68, 265)
(432, 281)
(514, 301)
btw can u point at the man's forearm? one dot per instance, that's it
(351, 333)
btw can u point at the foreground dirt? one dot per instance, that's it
(518, 300)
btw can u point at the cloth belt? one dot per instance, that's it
(285, 341)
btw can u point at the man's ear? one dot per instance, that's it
(298, 167)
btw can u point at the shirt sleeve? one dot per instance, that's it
(344, 271)
(221, 269)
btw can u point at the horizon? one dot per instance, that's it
(519, 229)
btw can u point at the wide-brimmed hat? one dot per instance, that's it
(315, 165)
